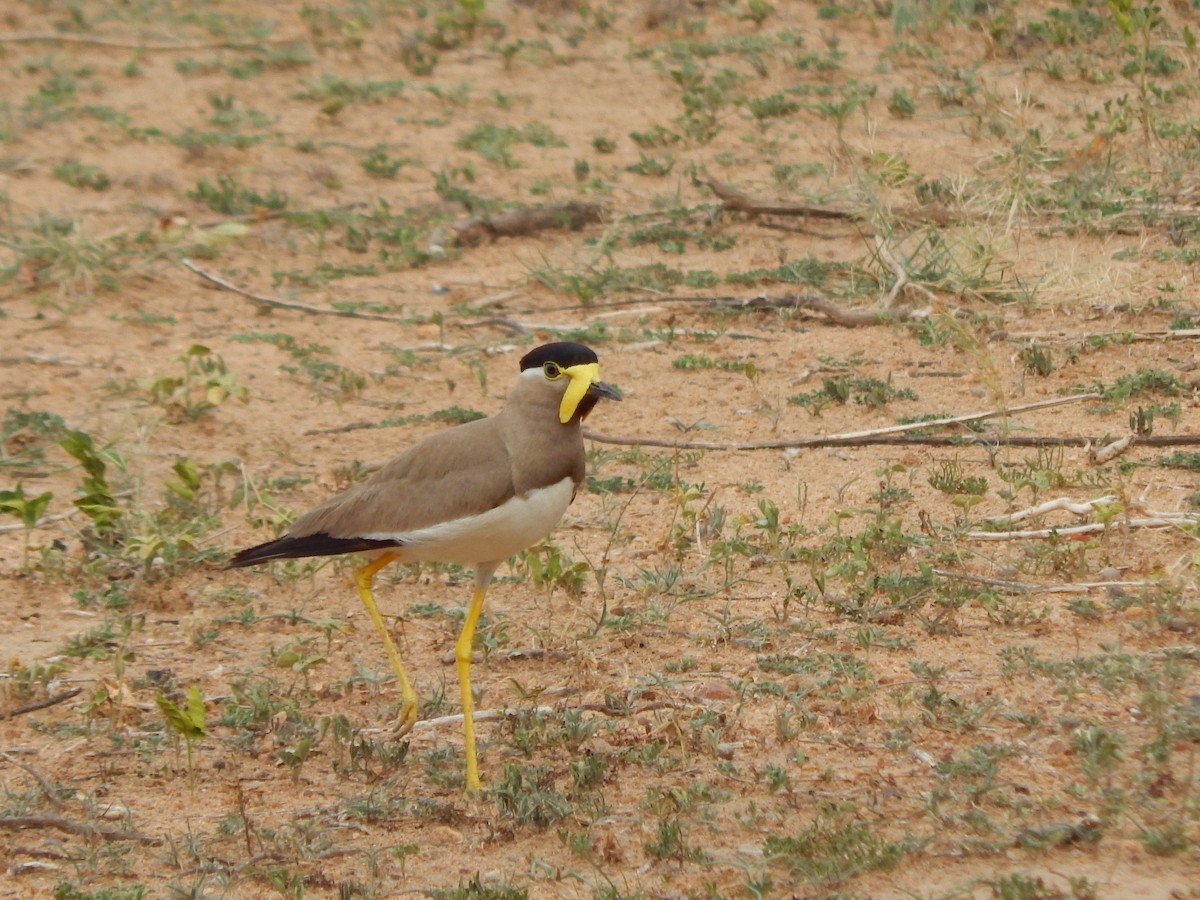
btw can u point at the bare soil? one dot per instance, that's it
(674, 659)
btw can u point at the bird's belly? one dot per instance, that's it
(492, 536)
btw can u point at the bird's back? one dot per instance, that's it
(448, 475)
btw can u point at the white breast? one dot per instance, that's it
(492, 536)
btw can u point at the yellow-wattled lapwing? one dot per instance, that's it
(474, 494)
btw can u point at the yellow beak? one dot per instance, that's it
(582, 376)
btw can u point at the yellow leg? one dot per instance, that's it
(462, 654)
(362, 579)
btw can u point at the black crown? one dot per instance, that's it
(563, 353)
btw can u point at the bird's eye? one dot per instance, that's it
(552, 370)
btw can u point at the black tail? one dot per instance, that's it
(308, 545)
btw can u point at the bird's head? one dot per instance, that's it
(575, 370)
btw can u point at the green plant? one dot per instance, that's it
(525, 796)
(651, 166)
(379, 164)
(842, 389)
(1145, 382)
(901, 105)
(1037, 360)
(229, 197)
(186, 721)
(851, 97)
(82, 176)
(58, 254)
(775, 106)
(475, 889)
(333, 94)
(494, 142)
(205, 384)
(835, 846)
(28, 509)
(1148, 57)
(757, 11)
(548, 568)
(96, 500)
(64, 890)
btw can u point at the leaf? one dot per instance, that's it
(80, 445)
(1121, 11)
(100, 509)
(187, 722)
(188, 484)
(12, 501)
(294, 756)
(293, 658)
(36, 507)
(27, 509)
(195, 705)
(215, 395)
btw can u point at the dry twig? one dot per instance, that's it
(1164, 520)
(18, 823)
(36, 775)
(40, 523)
(888, 300)
(1085, 508)
(1151, 519)
(39, 359)
(492, 715)
(35, 37)
(1025, 587)
(1099, 456)
(846, 439)
(41, 704)
(735, 201)
(276, 303)
(1118, 336)
(528, 220)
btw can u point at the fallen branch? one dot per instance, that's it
(41, 704)
(1062, 503)
(1025, 587)
(492, 715)
(1166, 520)
(888, 300)
(44, 520)
(518, 326)
(735, 201)
(36, 776)
(134, 44)
(481, 715)
(1100, 456)
(851, 438)
(1116, 336)
(276, 303)
(488, 301)
(528, 220)
(850, 317)
(847, 317)
(38, 359)
(18, 823)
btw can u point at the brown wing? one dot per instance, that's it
(454, 473)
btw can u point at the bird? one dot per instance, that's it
(474, 494)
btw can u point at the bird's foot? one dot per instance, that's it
(406, 720)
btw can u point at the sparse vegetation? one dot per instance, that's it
(947, 662)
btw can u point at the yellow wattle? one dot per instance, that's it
(581, 377)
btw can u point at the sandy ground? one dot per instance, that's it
(732, 689)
